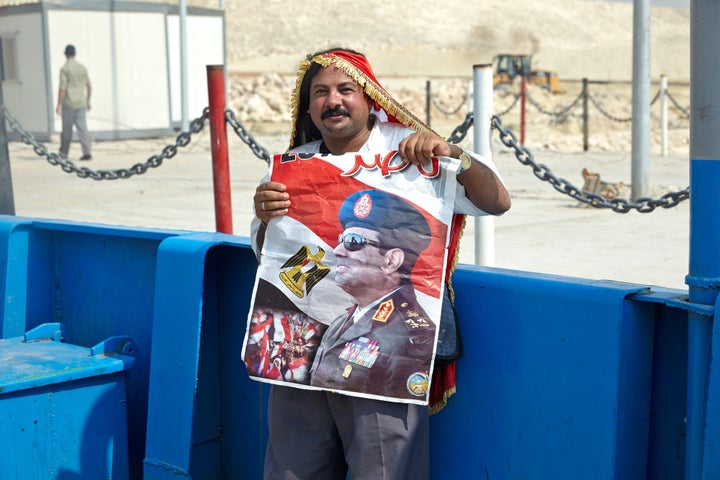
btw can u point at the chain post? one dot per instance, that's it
(428, 102)
(585, 117)
(219, 147)
(482, 139)
(7, 202)
(663, 116)
(523, 108)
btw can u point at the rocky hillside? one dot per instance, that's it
(576, 38)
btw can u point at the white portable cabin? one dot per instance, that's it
(133, 54)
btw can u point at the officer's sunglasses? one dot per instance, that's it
(354, 242)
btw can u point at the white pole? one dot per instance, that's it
(482, 116)
(641, 100)
(185, 125)
(663, 116)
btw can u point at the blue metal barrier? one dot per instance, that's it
(206, 416)
(556, 381)
(562, 377)
(97, 280)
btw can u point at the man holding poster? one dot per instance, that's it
(340, 107)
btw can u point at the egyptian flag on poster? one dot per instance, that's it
(348, 294)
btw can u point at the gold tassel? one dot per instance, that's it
(442, 403)
(455, 259)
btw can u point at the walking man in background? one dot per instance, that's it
(73, 100)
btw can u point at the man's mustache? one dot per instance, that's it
(338, 110)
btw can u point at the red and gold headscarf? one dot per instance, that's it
(357, 67)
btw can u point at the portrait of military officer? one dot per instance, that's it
(384, 344)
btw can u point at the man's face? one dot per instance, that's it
(338, 106)
(359, 268)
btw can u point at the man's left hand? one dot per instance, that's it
(420, 147)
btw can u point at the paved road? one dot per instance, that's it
(544, 231)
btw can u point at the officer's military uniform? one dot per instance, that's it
(385, 352)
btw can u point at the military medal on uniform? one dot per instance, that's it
(361, 351)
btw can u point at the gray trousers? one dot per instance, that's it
(316, 435)
(76, 117)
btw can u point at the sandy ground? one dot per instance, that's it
(545, 231)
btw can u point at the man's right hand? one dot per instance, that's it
(271, 200)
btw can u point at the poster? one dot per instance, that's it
(348, 293)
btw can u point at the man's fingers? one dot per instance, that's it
(271, 200)
(420, 147)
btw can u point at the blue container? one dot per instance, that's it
(63, 407)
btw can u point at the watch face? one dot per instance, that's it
(465, 162)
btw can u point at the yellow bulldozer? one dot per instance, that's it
(507, 67)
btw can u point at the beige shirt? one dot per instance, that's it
(74, 80)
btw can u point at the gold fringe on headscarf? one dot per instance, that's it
(295, 97)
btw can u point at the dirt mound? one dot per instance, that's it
(575, 38)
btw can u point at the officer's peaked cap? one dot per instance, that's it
(399, 223)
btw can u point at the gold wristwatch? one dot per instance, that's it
(465, 162)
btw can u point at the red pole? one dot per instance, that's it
(523, 86)
(219, 147)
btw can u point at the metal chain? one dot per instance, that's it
(655, 99)
(557, 113)
(619, 205)
(182, 140)
(450, 112)
(515, 101)
(458, 134)
(677, 105)
(507, 137)
(245, 136)
(611, 117)
(618, 119)
(566, 109)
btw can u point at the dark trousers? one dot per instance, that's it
(317, 435)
